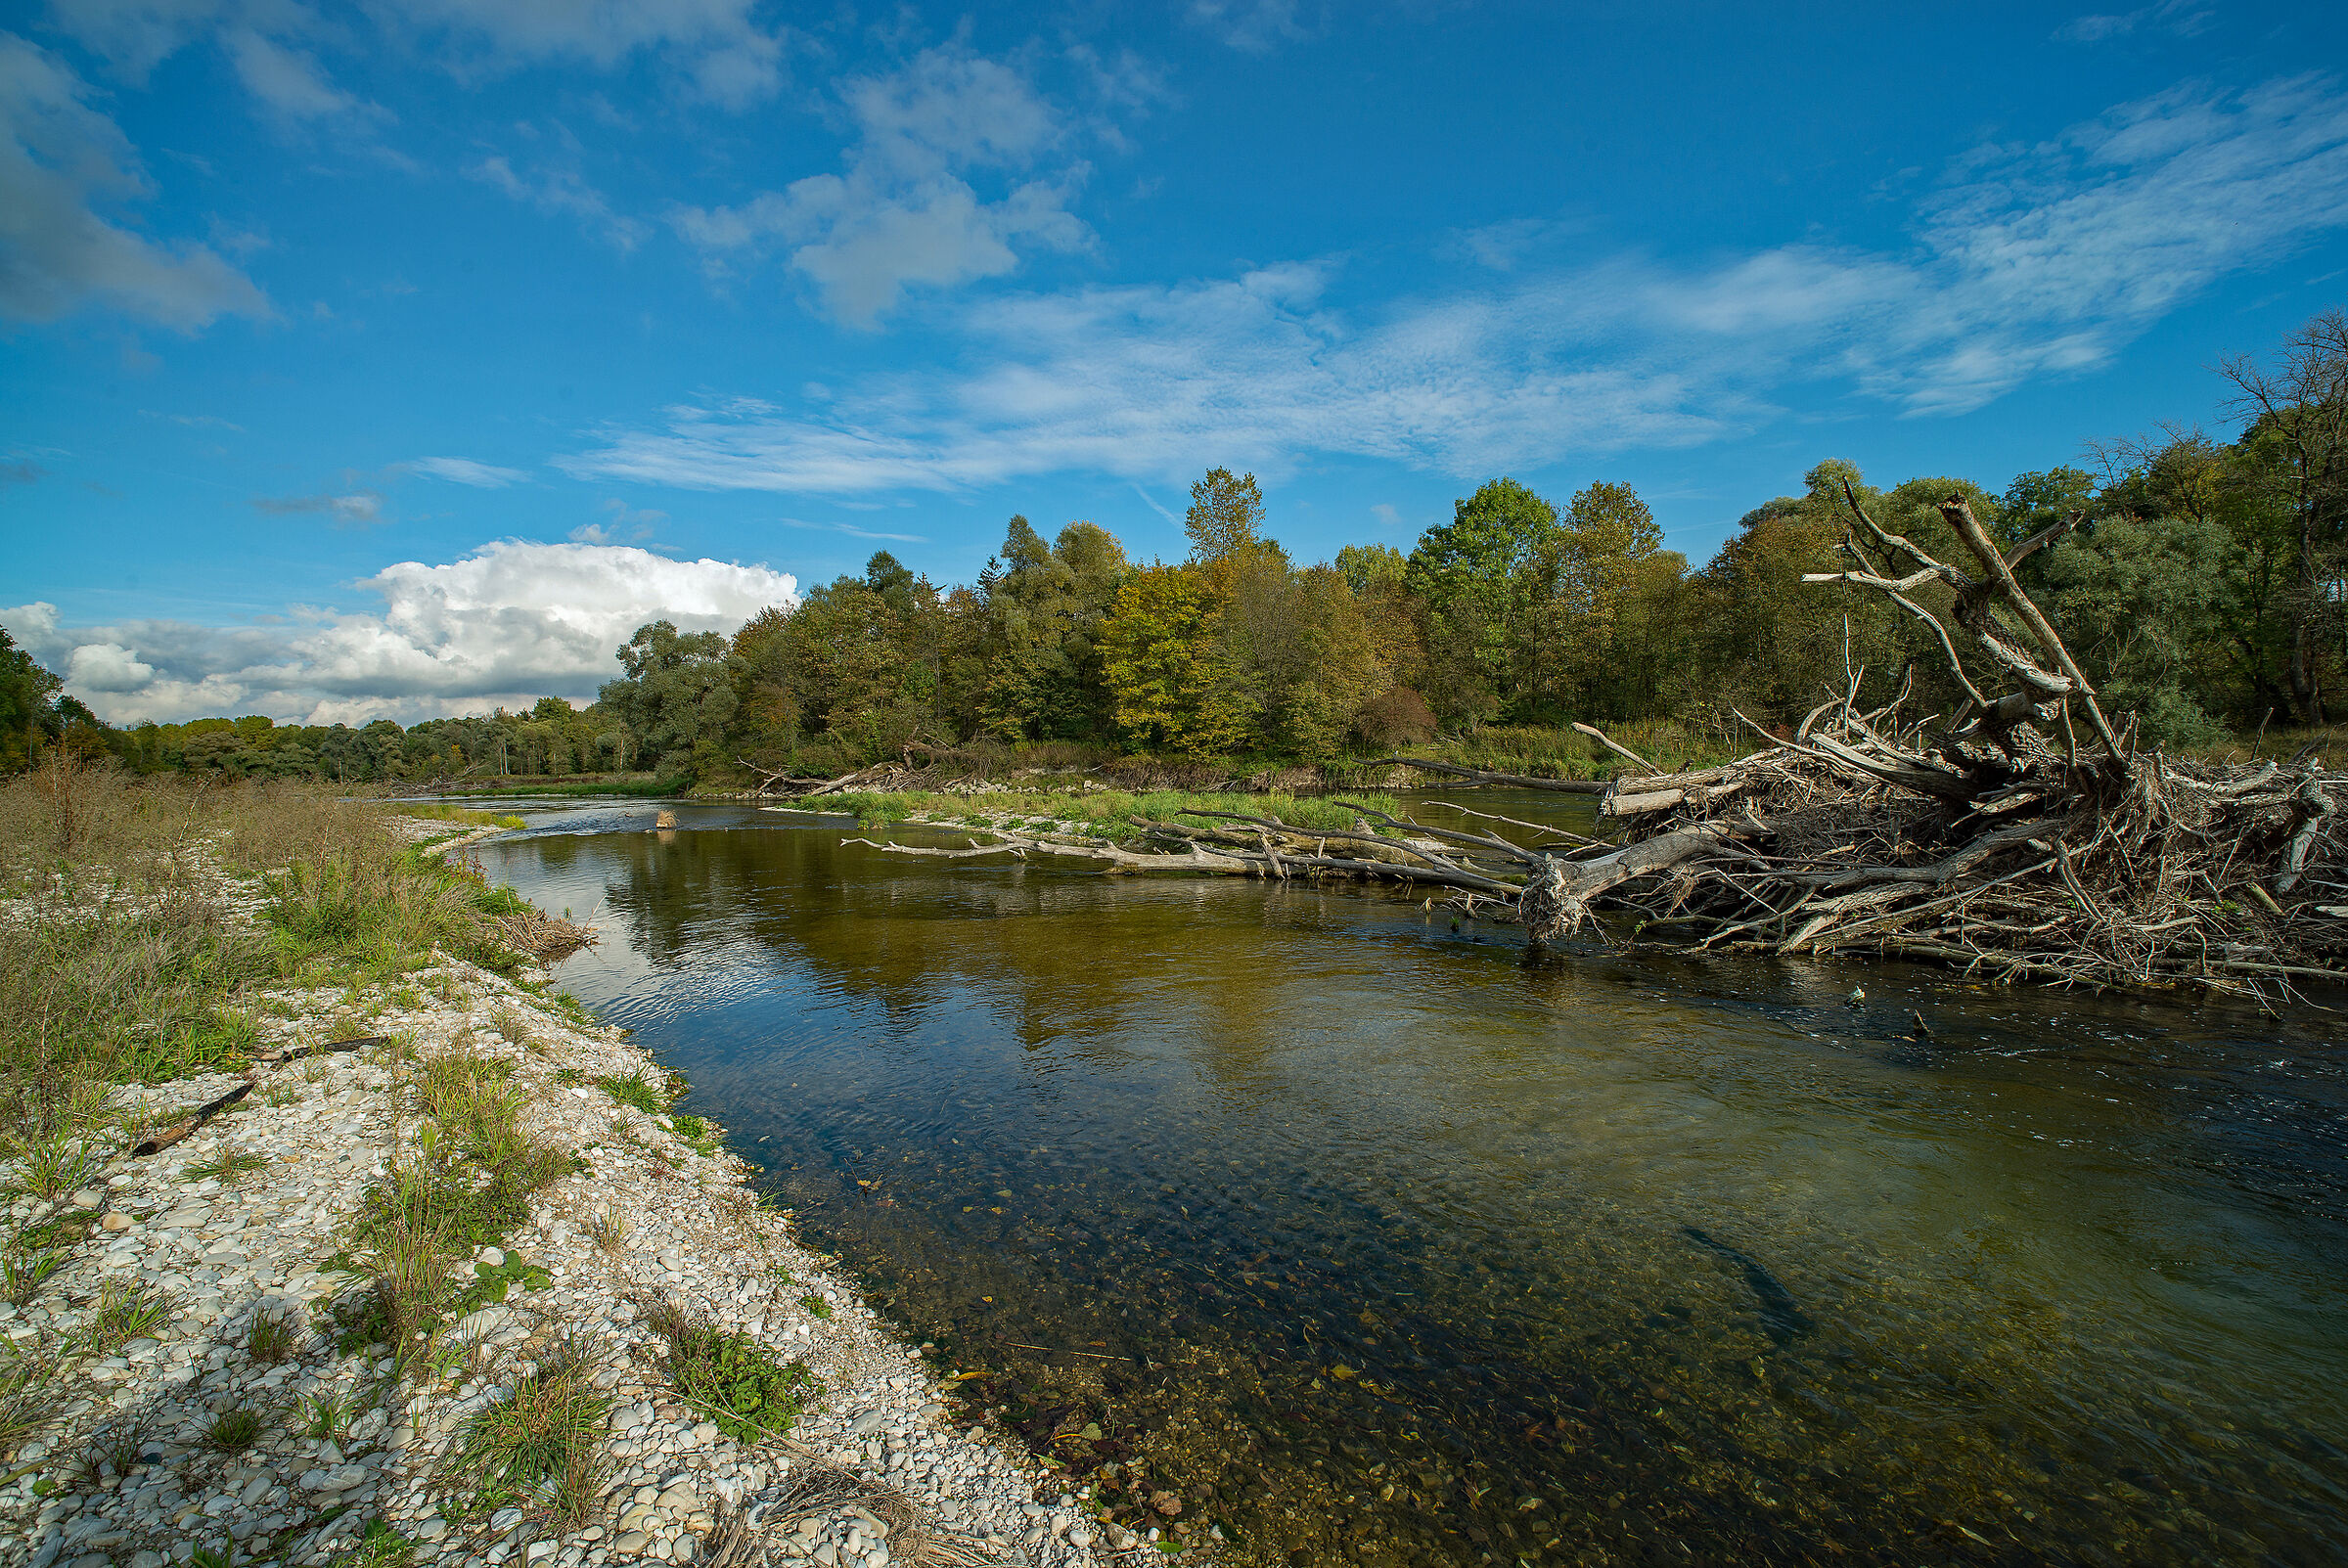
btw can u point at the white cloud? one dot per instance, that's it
(711, 45)
(2029, 262)
(465, 471)
(60, 160)
(508, 623)
(290, 82)
(562, 191)
(2180, 18)
(904, 213)
(1253, 27)
(361, 509)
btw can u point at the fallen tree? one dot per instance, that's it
(2023, 836)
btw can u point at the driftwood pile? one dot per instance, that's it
(2023, 836)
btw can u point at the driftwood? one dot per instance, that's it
(2023, 836)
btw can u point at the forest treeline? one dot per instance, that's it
(2202, 589)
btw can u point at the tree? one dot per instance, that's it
(2296, 453)
(1474, 575)
(25, 712)
(678, 690)
(1226, 516)
(1170, 685)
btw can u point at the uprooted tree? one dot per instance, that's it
(2020, 834)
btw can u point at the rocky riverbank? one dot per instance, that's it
(216, 1390)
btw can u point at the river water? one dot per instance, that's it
(1371, 1240)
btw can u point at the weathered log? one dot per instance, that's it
(1514, 781)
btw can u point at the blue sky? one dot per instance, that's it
(396, 358)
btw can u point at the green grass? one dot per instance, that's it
(233, 1431)
(227, 1165)
(1100, 813)
(127, 1310)
(273, 1340)
(695, 1132)
(467, 1184)
(542, 1445)
(442, 811)
(634, 1090)
(816, 1305)
(742, 1386)
(326, 1416)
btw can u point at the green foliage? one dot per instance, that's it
(735, 1381)
(541, 1444)
(234, 1430)
(1515, 613)
(635, 1090)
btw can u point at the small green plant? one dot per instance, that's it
(735, 1381)
(126, 1310)
(280, 1095)
(55, 1160)
(233, 1431)
(326, 1416)
(634, 1090)
(609, 1230)
(542, 1445)
(695, 1132)
(118, 1444)
(24, 1267)
(226, 1165)
(223, 1555)
(28, 1393)
(379, 1546)
(570, 1077)
(491, 1282)
(273, 1339)
(816, 1306)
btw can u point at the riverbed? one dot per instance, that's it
(1363, 1237)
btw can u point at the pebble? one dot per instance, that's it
(328, 1125)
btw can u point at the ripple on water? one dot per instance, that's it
(1372, 1242)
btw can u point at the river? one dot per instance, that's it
(1371, 1240)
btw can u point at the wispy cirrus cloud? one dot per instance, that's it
(562, 191)
(465, 471)
(510, 622)
(2026, 261)
(361, 509)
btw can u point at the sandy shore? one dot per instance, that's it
(238, 1222)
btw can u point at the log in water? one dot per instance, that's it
(1373, 1241)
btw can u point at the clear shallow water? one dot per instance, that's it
(1378, 1243)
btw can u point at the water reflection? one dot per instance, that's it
(1376, 1243)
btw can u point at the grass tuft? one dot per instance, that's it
(233, 1431)
(540, 1448)
(273, 1340)
(226, 1165)
(635, 1090)
(126, 1310)
(737, 1383)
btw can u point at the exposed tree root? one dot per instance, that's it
(2023, 838)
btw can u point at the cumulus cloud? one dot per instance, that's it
(363, 509)
(510, 622)
(465, 471)
(2024, 262)
(905, 212)
(61, 162)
